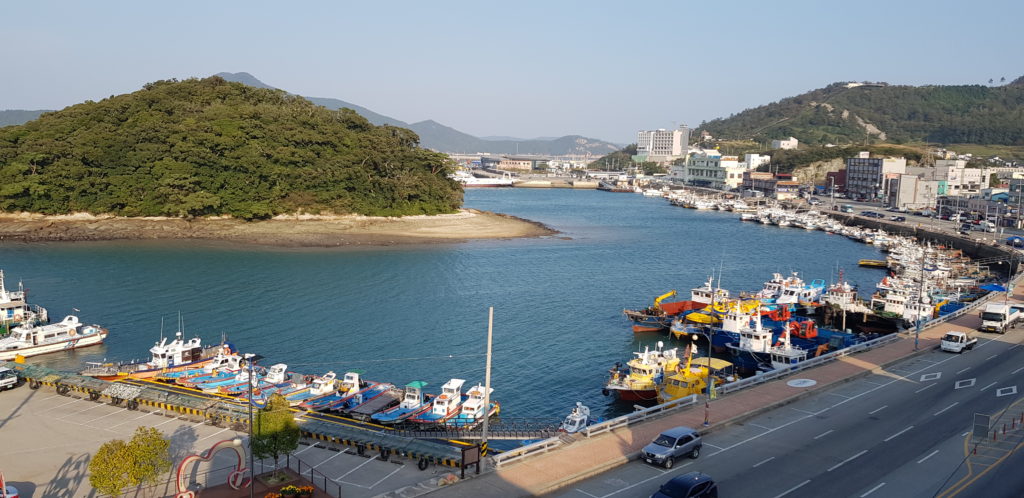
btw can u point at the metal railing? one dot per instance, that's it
(317, 478)
(525, 451)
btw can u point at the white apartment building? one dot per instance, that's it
(709, 168)
(662, 145)
(958, 178)
(753, 161)
(789, 143)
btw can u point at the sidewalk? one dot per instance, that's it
(587, 457)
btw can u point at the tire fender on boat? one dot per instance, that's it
(605, 392)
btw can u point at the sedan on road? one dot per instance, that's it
(671, 444)
(691, 485)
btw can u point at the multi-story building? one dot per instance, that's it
(867, 177)
(789, 143)
(708, 168)
(836, 180)
(782, 186)
(756, 160)
(958, 178)
(661, 145)
(912, 192)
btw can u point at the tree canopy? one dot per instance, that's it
(274, 432)
(204, 147)
(118, 464)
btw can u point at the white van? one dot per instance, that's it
(986, 226)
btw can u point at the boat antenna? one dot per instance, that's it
(161, 329)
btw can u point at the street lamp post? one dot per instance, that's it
(250, 358)
(707, 380)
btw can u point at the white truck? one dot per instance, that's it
(8, 379)
(1000, 317)
(957, 342)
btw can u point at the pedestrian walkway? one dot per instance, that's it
(587, 457)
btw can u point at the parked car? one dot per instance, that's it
(693, 484)
(671, 444)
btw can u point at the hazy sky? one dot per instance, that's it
(520, 68)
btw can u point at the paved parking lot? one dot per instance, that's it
(47, 440)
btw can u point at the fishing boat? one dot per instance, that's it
(873, 263)
(368, 400)
(708, 294)
(273, 378)
(223, 360)
(472, 412)
(445, 405)
(693, 378)
(795, 291)
(31, 339)
(659, 316)
(639, 381)
(349, 385)
(213, 385)
(226, 371)
(413, 403)
(167, 360)
(15, 310)
(577, 419)
(319, 387)
(467, 179)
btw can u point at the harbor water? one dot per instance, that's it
(420, 313)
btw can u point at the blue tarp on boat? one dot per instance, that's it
(1015, 241)
(993, 288)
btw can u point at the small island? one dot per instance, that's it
(215, 160)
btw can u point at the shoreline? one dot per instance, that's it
(281, 231)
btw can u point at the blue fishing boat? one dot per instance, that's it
(413, 403)
(275, 376)
(320, 387)
(241, 377)
(445, 405)
(221, 361)
(472, 412)
(362, 397)
(349, 385)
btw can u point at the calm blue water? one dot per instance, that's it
(421, 313)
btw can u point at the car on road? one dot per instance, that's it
(957, 342)
(690, 485)
(672, 444)
(898, 218)
(8, 379)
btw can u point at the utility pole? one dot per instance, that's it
(920, 293)
(487, 380)
(250, 359)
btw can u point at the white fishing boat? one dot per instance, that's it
(15, 310)
(30, 339)
(472, 412)
(468, 180)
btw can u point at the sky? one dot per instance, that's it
(523, 68)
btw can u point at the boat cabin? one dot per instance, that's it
(30, 334)
(707, 294)
(350, 383)
(449, 399)
(413, 397)
(177, 352)
(577, 419)
(323, 384)
(473, 408)
(277, 374)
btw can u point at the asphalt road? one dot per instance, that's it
(914, 220)
(899, 433)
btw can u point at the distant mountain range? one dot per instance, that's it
(433, 135)
(850, 113)
(437, 136)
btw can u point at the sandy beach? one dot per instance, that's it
(286, 231)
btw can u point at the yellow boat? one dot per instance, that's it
(693, 378)
(746, 307)
(645, 371)
(873, 263)
(703, 318)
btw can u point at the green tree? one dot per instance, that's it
(142, 460)
(274, 431)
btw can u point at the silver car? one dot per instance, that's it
(672, 444)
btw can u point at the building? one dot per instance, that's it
(957, 177)
(754, 161)
(708, 168)
(912, 192)
(867, 177)
(789, 143)
(781, 186)
(661, 146)
(836, 180)
(512, 163)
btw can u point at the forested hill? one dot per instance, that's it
(844, 114)
(212, 147)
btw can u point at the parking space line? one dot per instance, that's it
(802, 411)
(72, 400)
(387, 476)
(823, 434)
(68, 416)
(129, 420)
(211, 435)
(368, 460)
(306, 449)
(872, 490)
(840, 395)
(848, 460)
(794, 488)
(876, 410)
(927, 457)
(925, 387)
(332, 457)
(760, 427)
(872, 383)
(719, 448)
(107, 415)
(166, 421)
(886, 440)
(586, 493)
(762, 462)
(947, 408)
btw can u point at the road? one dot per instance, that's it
(897, 433)
(914, 220)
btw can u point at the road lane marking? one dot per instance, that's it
(988, 386)
(840, 395)
(886, 440)
(927, 457)
(1017, 370)
(990, 357)
(946, 408)
(1006, 391)
(823, 434)
(872, 490)
(962, 384)
(794, 488)
(962, 370)
(719, 448)
(762, 462)
(925, 387)
(848, 460)
(586, 493)
(930, 376)
(872, 383)
(803, 411)
(966, 433)
(876, 410)
(761, 427)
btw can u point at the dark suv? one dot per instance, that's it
(671, 444)
(692, 485)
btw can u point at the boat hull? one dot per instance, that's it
(76, 342)
(634, 394)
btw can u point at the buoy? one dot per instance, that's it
(605, 392)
